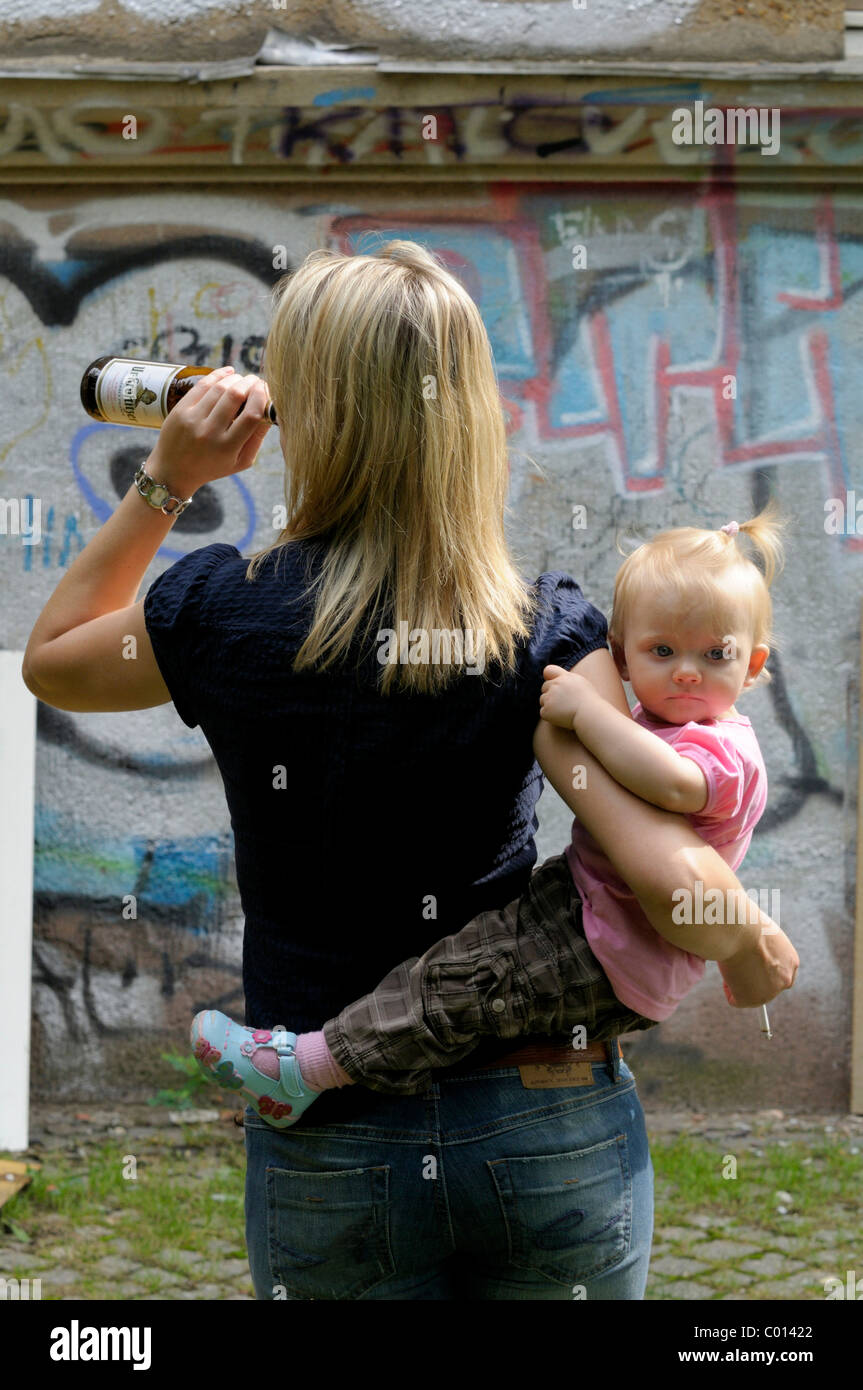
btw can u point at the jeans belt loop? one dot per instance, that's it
(613, 1053)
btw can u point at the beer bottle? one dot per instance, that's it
(125, 391)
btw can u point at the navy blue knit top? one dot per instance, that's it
(356, 816)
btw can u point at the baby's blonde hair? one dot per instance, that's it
(694, 566)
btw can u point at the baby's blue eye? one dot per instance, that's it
(717, 653)
(662, 649)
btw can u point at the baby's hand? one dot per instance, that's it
(562, 696)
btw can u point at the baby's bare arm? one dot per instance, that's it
(635, 757)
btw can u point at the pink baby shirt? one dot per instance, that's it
(646, 972)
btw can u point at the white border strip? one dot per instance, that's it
(17, 779)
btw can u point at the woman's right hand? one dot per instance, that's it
(758, 973)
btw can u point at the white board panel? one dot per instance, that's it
(17, 777)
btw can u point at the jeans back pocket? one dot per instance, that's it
(328, 1232)
(568, 1215)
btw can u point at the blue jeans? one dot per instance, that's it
(476, 1189)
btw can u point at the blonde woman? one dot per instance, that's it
(377, 807)
(690, 630)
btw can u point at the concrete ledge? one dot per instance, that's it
(288, 124)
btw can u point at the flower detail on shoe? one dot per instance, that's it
(275, 1108)
(228, 1077)
(206, 1053)
(258, 1063)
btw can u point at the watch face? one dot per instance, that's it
(159, 495)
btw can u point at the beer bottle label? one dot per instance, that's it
(134, 393)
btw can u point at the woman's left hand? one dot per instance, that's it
(205, 437)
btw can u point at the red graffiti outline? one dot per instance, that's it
(503, 209)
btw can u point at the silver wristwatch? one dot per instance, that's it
(157, 495)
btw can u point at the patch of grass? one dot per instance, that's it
(822, 1177)
(689, 1177)
(169, 1206)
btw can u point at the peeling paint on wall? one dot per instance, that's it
(451, 29)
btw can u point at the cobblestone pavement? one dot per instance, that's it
(696, 1256)
(109, 1257)
(784, 1254)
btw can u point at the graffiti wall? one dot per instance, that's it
(666, 356)
(369, 125)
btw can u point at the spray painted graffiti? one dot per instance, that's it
(575, 343)
(567, 347)
(633, 126)
(137, 913)
(615, 374)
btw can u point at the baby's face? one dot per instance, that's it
(680, 669)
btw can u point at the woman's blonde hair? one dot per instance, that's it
(393, 434)
(710, 571)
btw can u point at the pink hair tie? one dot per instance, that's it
(731, 528)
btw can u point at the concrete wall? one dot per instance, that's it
(200, 30)
(617, 387)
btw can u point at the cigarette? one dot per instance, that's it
(765, 1022)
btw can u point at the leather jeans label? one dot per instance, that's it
(545, 1076)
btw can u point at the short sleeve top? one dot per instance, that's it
(366, 827)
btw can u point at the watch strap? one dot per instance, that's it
(158, 495)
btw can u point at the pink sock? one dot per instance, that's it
(321, 1071)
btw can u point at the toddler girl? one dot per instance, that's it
(690, 629)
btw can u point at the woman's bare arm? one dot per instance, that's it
(658, 853)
